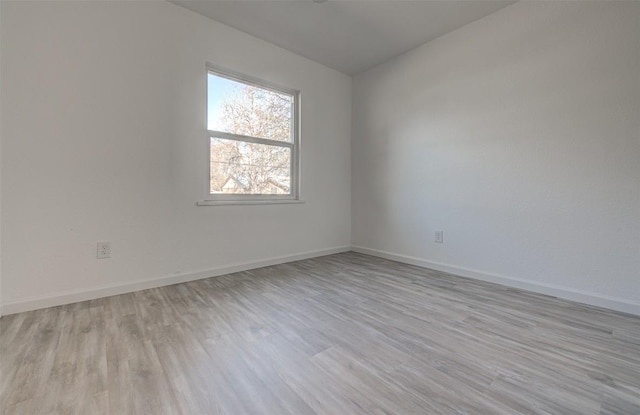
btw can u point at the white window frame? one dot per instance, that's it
(235, 199)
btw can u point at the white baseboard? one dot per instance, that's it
(68, 297)
(611, 303)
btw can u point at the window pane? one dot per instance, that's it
(238, 167)
(238, 108)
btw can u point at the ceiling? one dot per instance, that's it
(349, 36)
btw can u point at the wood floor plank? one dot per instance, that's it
(341, 334)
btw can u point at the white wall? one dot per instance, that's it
(1, 165)
(104, 137)
(519, 136)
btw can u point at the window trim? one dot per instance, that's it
(294, 144)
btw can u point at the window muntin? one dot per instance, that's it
(253, 139)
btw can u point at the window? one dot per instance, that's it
(253, 140)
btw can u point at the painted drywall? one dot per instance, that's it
(103, 109)
(518, 135)
(0, 166)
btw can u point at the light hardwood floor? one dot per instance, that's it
(342, 334)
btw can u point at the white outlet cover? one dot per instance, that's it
(103, 250)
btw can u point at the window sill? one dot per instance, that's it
(248, 202)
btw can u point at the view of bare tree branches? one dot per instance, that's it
(253, 168)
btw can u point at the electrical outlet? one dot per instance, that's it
(438, 237)
(104, 250)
